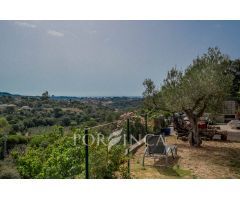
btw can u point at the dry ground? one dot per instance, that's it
(214, 159)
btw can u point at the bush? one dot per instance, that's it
(37, 140)
(46, 138)
(73, 123)
(64, 161)
(91, 123)
(60, 158)
(58, 112)
(13, 140)
(66, 121)
(103, 162)
(18, 127)
(28, 123)
(17, 139)
(49, 121)
(30, 164)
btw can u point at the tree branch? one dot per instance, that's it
(198, 102)
(200, 113)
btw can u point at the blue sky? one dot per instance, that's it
(103, 58)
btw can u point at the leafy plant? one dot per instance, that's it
(54, 155)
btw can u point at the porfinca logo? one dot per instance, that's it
(114, 138)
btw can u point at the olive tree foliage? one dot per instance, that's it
(203, 86)
(234, 69)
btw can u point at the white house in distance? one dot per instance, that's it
(7, 106)
(25, 108)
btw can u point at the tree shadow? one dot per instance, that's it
(172, 170)
(161, 162)
(227, 156)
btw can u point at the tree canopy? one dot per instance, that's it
(202, 86)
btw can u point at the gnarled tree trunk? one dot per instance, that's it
(194, 137)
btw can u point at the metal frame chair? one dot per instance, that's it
(156, 146)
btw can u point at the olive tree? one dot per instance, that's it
(203, 86)
(234, 69)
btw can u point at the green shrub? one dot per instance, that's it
(37, 140)
(60, 158)
(65, 160)
(66, 121)
(13, 140)
(30, 164)
(103, 162)
(47, 137)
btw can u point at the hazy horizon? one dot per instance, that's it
(103, 58)
(39, 95)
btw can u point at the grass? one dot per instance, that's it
(181, 172)
(148, 171)
(235, 164)
(175, 172)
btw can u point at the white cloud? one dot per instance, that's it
(55, 33)
(25, 24)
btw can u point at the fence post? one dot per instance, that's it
(86, 154)
(146, 124)
(128, 140)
